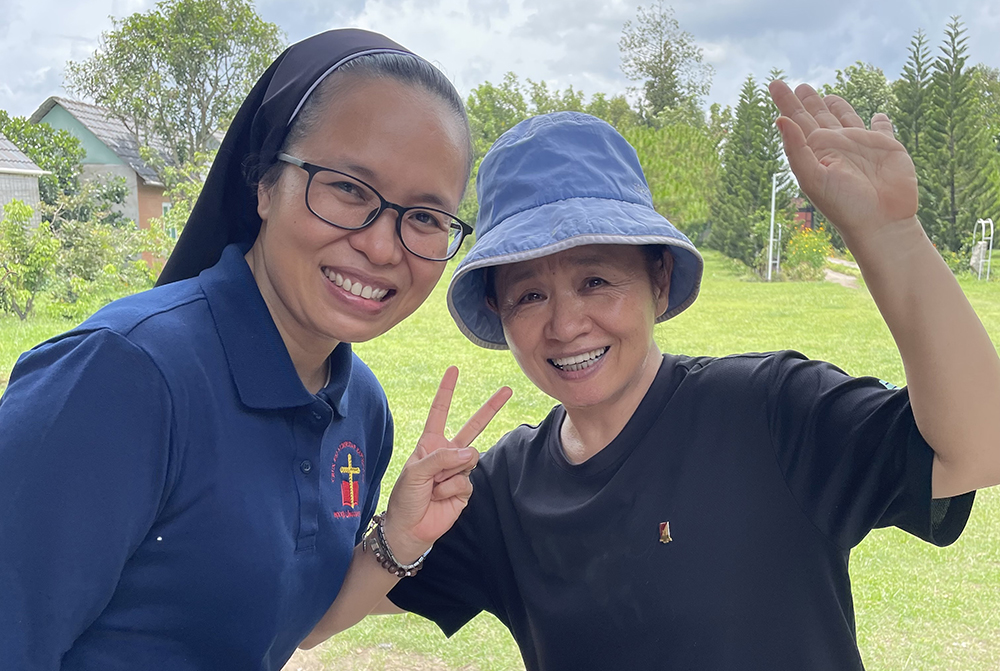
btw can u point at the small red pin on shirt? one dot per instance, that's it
(665, 532)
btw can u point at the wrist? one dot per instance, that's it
(375, 542)
(890, 240)
(404, 547)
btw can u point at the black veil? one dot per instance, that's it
(226, 210)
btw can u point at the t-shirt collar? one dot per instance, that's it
(258, 359)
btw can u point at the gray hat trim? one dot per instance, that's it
(562, 245)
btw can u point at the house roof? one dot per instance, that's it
(109, 130)
(14, 162)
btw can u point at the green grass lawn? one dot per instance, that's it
(918, 607)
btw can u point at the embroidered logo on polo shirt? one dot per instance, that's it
(348, 469)
(665, 532)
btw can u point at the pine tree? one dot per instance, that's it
(751, 154)
(911, 89)
(865, 87)
(959, 147)
(911, 117)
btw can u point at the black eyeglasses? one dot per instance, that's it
(346, 202)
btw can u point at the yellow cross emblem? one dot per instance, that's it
(350, 470)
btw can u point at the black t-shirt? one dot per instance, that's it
(768, 468)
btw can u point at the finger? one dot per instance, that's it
(456, 486)
(429, 467)
(801, 158)
(437, 417)
(467, 467)
(882, 124)
(791, 107)
(483, 417)
(843, 111)
(813, 102)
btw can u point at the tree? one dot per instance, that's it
(615, 110)
(176, 75)
(960, 149)
(543, 100)
(865, 87)
(27, 256)
(751, 155)
(911, 116)
(656, 52)
(56, 151)
(494, 109)
(912, 97)
(988, 86)
(681, 163)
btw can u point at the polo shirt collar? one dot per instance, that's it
(262, 370)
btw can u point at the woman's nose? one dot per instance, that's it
(378, 241)
(568, 318)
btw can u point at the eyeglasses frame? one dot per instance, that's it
(313, 169)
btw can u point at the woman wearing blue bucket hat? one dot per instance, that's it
(679, 512)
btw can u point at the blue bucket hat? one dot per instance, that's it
(554, 182)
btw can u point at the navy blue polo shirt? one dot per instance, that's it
(171, 496)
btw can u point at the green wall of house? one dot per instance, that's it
(97, 152)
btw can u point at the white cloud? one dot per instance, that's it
(561, 41)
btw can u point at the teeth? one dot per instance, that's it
(579, 361)
(356, 288)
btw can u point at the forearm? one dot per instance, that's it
(952, 368)
(364, 588)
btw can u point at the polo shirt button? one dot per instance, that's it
(306, 466)
(317, 416)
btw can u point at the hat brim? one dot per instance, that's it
(555, 227)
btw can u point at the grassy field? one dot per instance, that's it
(918, 607)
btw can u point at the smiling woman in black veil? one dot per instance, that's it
(186, 477)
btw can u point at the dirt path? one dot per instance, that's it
(840, 278)
(842, 262)
(843, 279)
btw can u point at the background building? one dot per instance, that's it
(18, 177)
(111, 149)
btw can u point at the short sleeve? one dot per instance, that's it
(852, 455)
(451, 588)
(375, 483)
(84, 436)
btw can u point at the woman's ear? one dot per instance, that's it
(661, 281)
(263, 201)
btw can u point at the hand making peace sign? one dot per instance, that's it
(434, 486)
(861, 180)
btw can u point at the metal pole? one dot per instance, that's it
(770, 237)
(777, 255)
(989, 262)
(987, 243)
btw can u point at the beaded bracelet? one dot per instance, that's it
(383, 555)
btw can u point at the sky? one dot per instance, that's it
(563, 42)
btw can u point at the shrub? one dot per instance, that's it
(806, 252)
(27, 258)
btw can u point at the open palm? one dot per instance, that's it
(860, 179)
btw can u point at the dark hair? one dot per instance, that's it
(404, 68)
(654, 255)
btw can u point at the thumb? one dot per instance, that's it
(445, 459)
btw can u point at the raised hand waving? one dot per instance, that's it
(861, 180)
